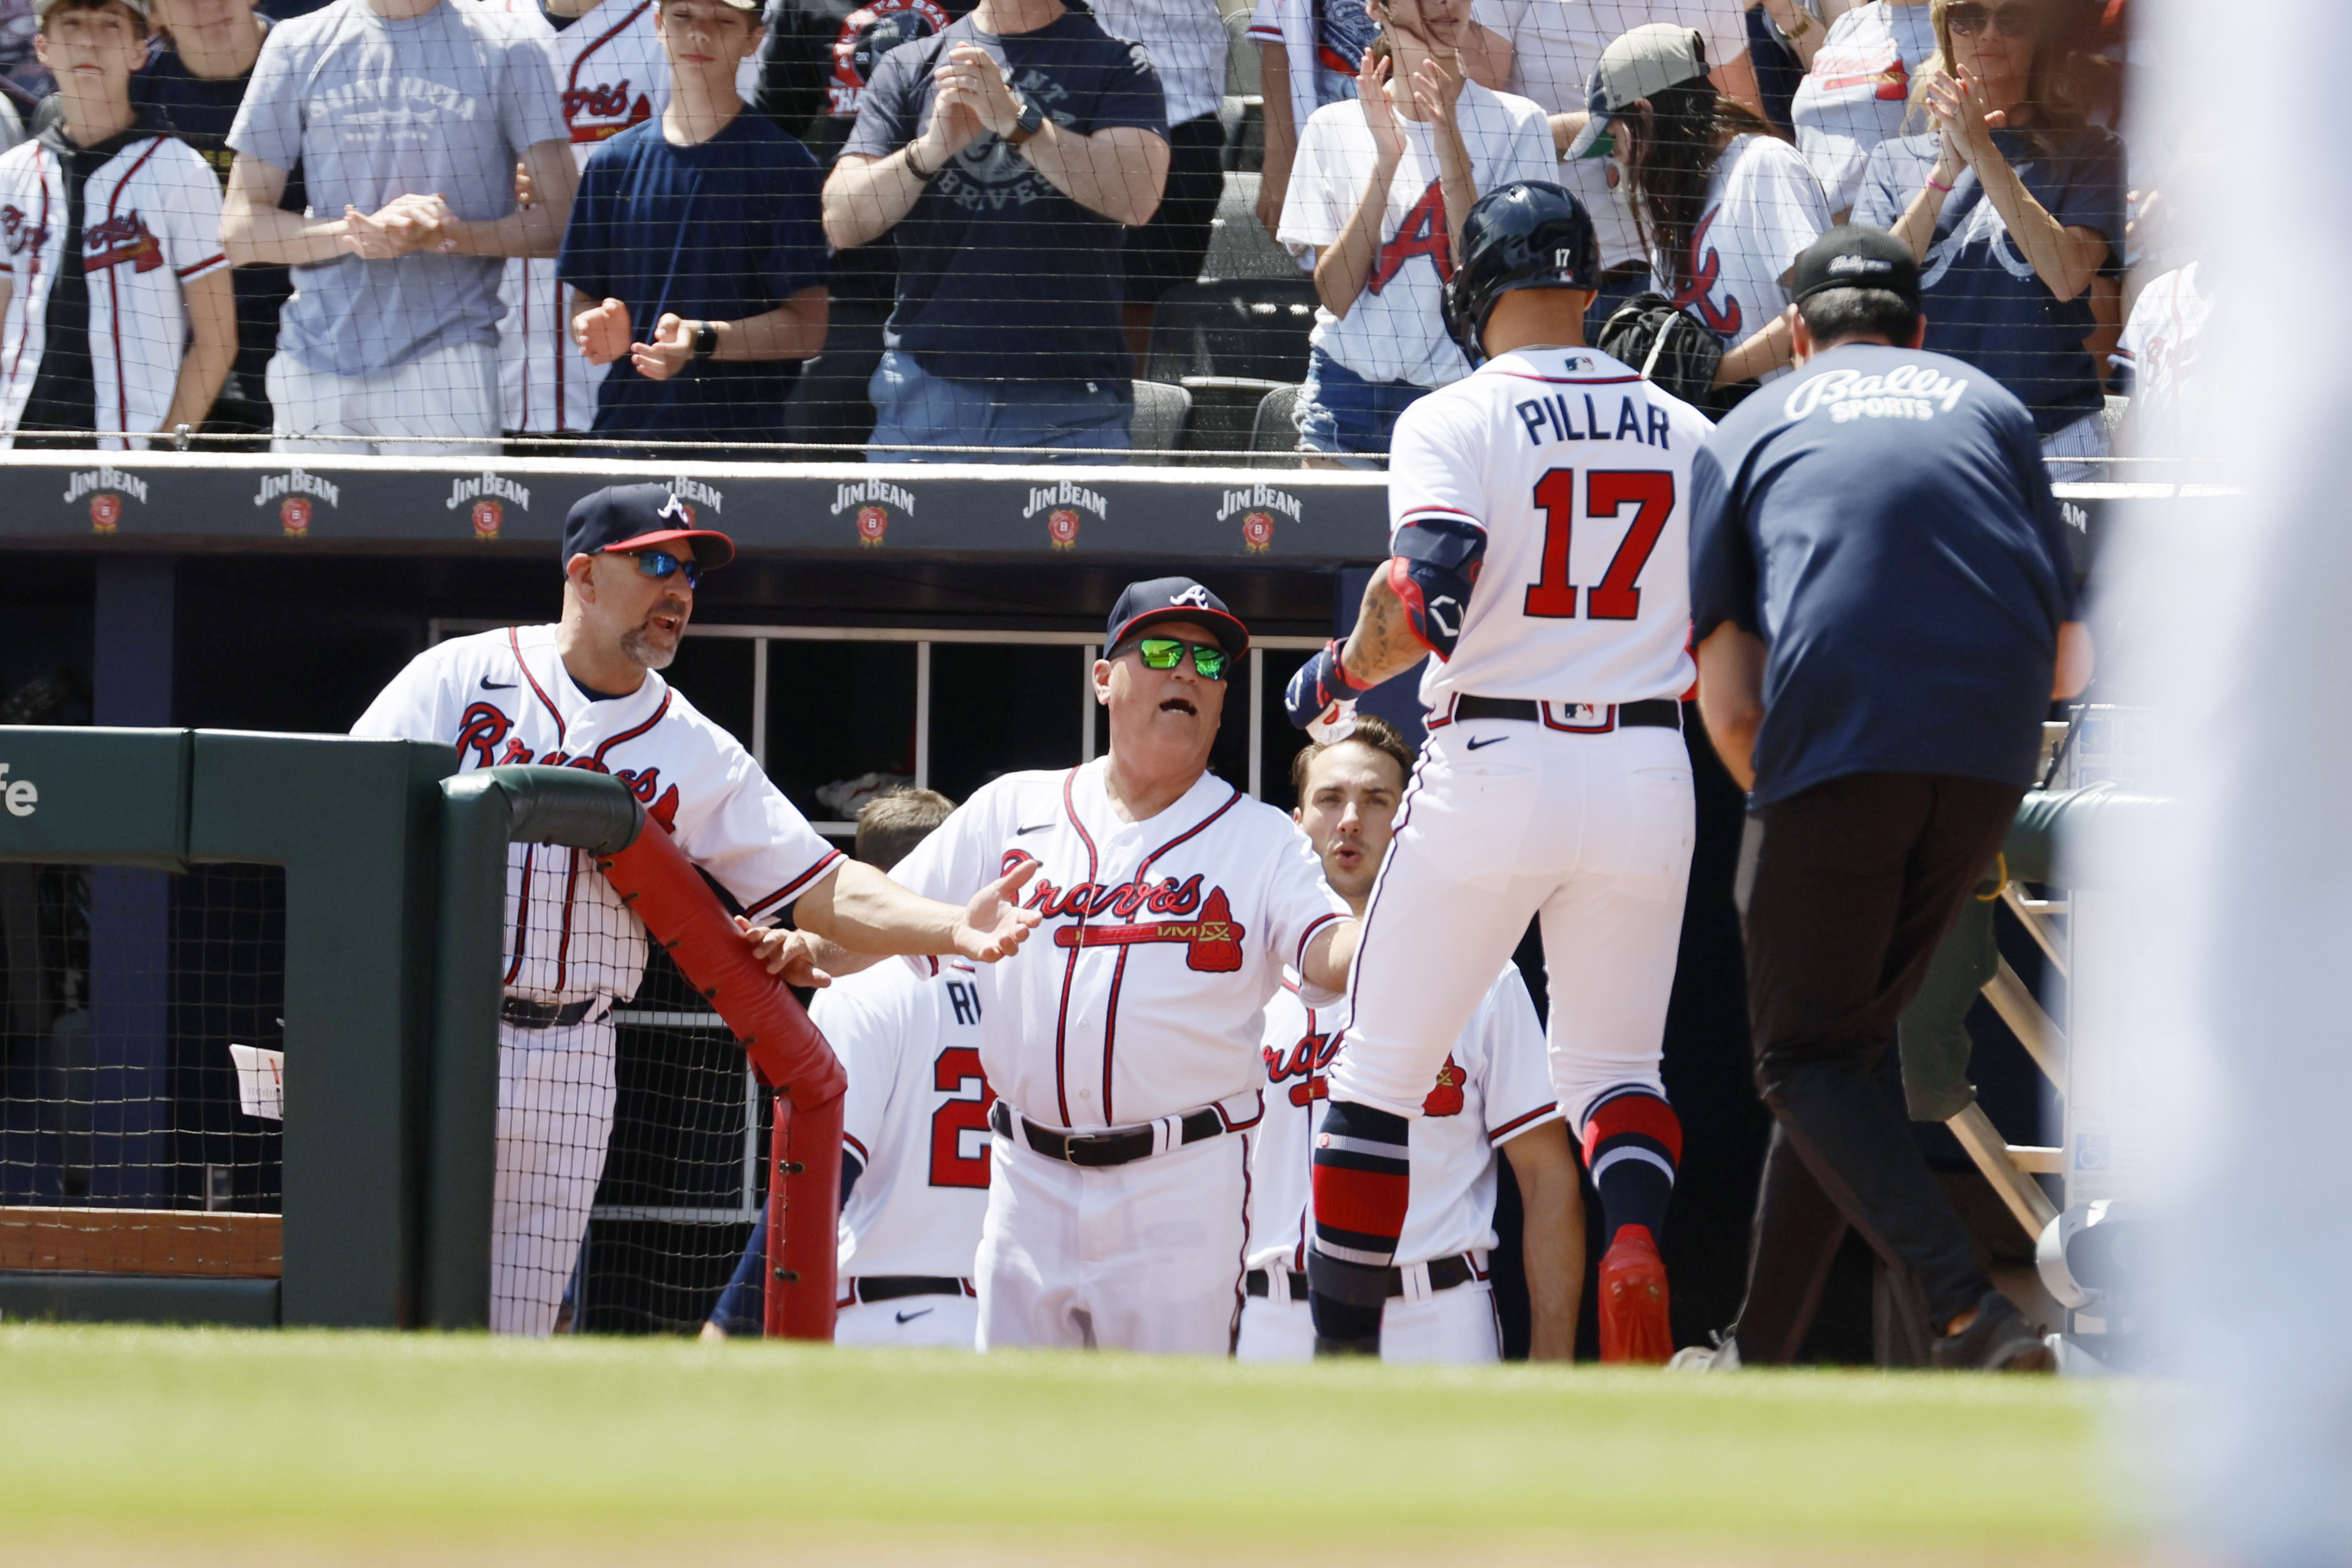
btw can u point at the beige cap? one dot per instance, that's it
(1650, 58)
(41, 9)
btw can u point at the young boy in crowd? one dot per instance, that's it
(113, 289)
(695, 250)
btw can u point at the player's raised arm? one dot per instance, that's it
(864, 911)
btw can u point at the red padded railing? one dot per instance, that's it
(654, 877)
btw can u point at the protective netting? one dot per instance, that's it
(129, 1141)
(1150, 230)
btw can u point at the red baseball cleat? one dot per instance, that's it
(1633, 1325)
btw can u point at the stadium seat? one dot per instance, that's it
(1239, 246)
(1225, 411)
(1274, 429)
(1159, 417)
(1253, 328)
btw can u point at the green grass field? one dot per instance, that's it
(184, 1445)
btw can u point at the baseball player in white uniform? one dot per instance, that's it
(613, 72)
(914, 1157)
(584, 693)
(1539, 549)
(1494, 1092)
(1123, 1046)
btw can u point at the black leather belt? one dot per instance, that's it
(1121, 1146)
(1444, 1274)
(528, 1014)
(1656, 713)
(898, 1287)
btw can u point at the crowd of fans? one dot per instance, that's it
(440, 226)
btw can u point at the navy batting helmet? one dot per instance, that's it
(1526, 235)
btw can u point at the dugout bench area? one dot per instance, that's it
(932, 624)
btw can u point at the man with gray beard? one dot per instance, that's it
(583, 693)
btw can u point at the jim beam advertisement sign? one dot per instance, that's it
(1065, 505)
(298, 495)
(873, 500)
(1258, 507)
(107, 489)
(486, 499)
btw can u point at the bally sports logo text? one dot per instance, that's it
(1061, 503)
(106, 488)
(294, 491)
(873, 498)
(487, 496)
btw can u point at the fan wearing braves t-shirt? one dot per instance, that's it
(1380, 186)
(1006, 157)
(1725, 205)
(696, 251)
(914, 1135)
(1494, 1092)
(116, 315)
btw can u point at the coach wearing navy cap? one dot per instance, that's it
(1884, 609)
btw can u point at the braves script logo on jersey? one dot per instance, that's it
(1213, 943)
(1420, 233)
(1705, 272)
(122, 239)
(1303, 1067)
(484, 725)
(1878, 66)
(607, 109)
(1446, 1099)
(19, 235)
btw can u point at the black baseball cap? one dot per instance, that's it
(641, 517)
(1855, 256)
(1173, 599)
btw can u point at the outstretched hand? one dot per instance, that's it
(1379, 112)
(995, 924)
(788, 954)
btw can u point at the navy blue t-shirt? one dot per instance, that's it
(1881, 517)
(200, 110)
(1000, 276)
(719, 231)
(1985, 303)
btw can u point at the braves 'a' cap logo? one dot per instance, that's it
(1195, 595)
(676, 508)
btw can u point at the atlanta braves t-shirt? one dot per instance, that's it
(1881, 519)
(372, 109)
(1763, 208)
(1000, 276)
(724, 229)
(1858, 91)
(1395, 331)
(1985, 303)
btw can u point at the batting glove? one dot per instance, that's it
(1320, 696)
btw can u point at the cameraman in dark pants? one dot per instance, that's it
(1884, 609)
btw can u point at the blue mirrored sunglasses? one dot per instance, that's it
(661, 563)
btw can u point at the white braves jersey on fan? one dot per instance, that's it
(1578, 472)
(1496, 1085)
(150, 225)
(2159, 349)
(612, 72)
(1139, 995)
(1858, 92)
(1395, 331)
(504, 697)
(1763, 209)
(914, 1118)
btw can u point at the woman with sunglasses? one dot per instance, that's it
(2015, 208)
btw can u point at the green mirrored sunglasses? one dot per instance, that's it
(1167, 653)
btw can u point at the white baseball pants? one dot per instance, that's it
(1505, 820)
(446, 397)
(1140, 1257)
(1451, 1328)
(910, 1322)
(555, 1122)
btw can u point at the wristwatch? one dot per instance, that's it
(706, 340)
(1032, 121)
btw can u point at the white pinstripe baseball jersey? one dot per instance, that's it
(505, 697)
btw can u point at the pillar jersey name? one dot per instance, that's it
(1139, 996)
(504, 697)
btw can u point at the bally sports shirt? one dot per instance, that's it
(504, 697)
(1139, 995)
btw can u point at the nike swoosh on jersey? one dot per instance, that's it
(1041, 827)
(911, 1317)
(489, 685)
(1489, 741)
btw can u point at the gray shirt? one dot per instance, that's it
(372, 110)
